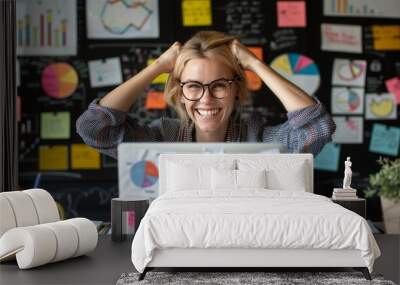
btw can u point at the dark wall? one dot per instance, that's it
(87, 192)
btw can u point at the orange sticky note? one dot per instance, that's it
(291, 13)
(253, 82)
(155, 100)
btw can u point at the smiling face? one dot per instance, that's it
(210, 115)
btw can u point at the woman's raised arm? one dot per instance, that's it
(122, 97)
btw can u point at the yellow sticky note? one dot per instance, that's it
(84, 157)
(55, 125)
(196, 13)
(162, 78)
(386, 37)
(53, 157)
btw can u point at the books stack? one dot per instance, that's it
(344, 194)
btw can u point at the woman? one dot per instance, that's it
(206, 87)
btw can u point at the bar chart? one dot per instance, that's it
(362, 8)
(46, 27)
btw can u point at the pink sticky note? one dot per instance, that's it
(393, 86)
(291, 13)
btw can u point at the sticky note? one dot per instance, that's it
(160, 79)
(328, 158)
(386, 37)
(393, 86)
(155, 100)
(53, 157)
(55, 125)
(291, 14)
(196, 13)
(253, 82)
(385, 139)
(84, 157)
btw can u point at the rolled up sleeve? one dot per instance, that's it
(105, 128)
(306, 130)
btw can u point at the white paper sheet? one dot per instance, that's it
(342, 38)
(347, 100)
(105, 72)
(348, 130)
(46, 27)
(348, 72)
(122, 19)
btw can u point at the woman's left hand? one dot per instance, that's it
(243, 55)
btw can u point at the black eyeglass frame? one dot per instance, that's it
(230, 81)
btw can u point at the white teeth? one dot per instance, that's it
(207, 113)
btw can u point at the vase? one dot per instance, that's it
(391, 215)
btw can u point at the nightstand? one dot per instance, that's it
(357, 205)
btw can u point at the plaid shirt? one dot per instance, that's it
(306, 130)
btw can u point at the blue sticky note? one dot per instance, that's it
(385, 139)
(328, 158)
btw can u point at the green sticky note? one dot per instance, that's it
(328, 158)
(55, 125)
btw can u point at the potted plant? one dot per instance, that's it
(386, 183)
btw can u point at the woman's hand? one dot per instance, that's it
(166, 61)
(243, 55)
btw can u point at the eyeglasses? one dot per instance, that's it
(219, 88)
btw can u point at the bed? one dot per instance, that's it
(247, 210)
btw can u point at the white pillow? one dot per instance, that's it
(192, 176)
(251, 178)
(280, 174)
(225, 179)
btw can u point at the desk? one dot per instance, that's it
(102, 266)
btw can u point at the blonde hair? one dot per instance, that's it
(204, 44)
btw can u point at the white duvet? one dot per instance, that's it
(252, 218)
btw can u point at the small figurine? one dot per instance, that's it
(347, 174)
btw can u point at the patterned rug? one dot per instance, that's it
(232, 278)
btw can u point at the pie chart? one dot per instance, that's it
(144, 173)
(299, 69)
(59, 80)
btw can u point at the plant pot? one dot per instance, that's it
(391, 215)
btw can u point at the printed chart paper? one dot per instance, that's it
(46, 27)
(349, 72)
(362, 8)
(59, 80)
(341, 38)
(347, 100)
(105, 72)
(122, 19)
(348, 130)
(385, 140)
(328, 158)
(299, 69)
(380, 107)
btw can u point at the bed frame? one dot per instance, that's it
(242, 259)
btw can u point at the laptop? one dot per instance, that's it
(138, 162)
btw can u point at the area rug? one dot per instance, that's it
(232, 278)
